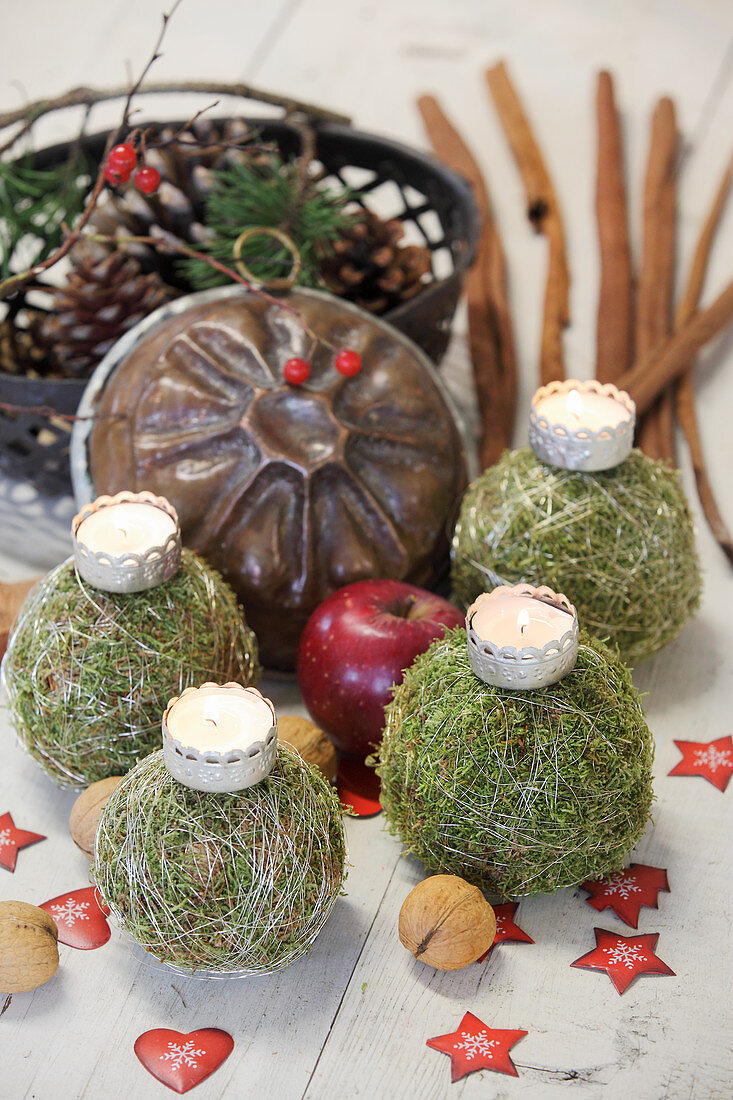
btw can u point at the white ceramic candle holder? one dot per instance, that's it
(556, 441)
(223, 772)
(128, 571)
(523, 668)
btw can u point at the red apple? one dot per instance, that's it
(356, 645)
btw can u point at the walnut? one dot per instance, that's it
(446, 923)
(310, 741)
(86, 812)
(29, 953)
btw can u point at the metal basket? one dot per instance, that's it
(410, 185)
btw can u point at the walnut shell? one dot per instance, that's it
(289, 491)
(446, 923)
(29, 951)
(310, 741)
(86, 812)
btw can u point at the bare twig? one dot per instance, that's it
(491, 336)
(544, 213)
(87, 97)
(615, 311)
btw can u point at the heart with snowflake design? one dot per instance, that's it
(506, 929)
(183, 1061)
(475, 1046)
(626, 891)
(713, 760)
(12, 839)
(80, 918)
(623, 958)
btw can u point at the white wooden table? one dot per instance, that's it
(352, 1019)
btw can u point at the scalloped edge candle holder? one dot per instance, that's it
(585, 449)
(223, 773)
(126, 573)
(526, 668)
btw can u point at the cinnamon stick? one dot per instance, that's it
(656, 277)
(685, 402)
(491, 336)
(614, 327)
(544, 213)
(650, 376)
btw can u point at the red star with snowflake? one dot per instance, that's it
(12, 839)
(623, 958)
(506, 929)
(475, 1046)
(713, 760)
(626, 891)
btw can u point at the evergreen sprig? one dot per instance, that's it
(35, 203)
(268, 195)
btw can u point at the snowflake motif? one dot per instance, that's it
(480, 1043)
(713, 758)
(621, 884)
(626, 954)
(70, 912)
(182, 1054)
(4, 837)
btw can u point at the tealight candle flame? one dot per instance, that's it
(523, 621)
(575, 404)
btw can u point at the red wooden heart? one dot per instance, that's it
(183, 1061)
(80, 918)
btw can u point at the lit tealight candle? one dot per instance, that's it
(582, 425)
(219, 737)
(522, 637)
(127, 543)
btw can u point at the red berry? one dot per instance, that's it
(123, 159)
(112, 177)
(147, 179)
(348, 362)
(297, 371)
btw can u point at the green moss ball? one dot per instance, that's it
(619, 544)
(89, 674)
(517, 792)
(222, 883)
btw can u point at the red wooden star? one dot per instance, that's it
(623, 958)
(475, 1046)
(12, 839)
(626, 891)
(506, 929)
(713, 760)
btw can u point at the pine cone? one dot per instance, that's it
(100, 301)
(19, 351)
(369, 266)
(177, 206)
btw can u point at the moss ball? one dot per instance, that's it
(222, 883)
(619, 544)
(517, 792)
(88, 673)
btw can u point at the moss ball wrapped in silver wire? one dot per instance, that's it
(619, 543)
(89, 673)
(519, 792)
(222, 884)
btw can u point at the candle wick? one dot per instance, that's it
(212, 720)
